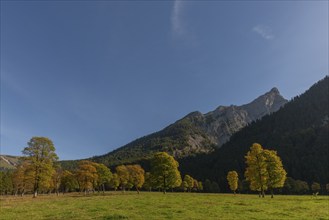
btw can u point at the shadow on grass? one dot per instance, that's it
(115, 216)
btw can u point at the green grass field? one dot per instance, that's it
(159, 206)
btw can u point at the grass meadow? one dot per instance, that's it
(155, 205)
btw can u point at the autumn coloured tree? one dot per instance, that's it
(195, 185)
(86, 175)
(123, 175)
(164, 169)
(264, 169)
(136, 176)
(315, 187)
(184, 186)
(232, 179)
(276, 173)
(256, 172)
(68, 181)
(40, 156)
(56, 178)
(23, 178)
(189, 182)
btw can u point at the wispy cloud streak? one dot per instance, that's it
(264, 31)
(176, 20)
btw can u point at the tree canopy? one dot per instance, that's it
(164, 169)
(232, 178)
(40, 156)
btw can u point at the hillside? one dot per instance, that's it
(196, 133)
(298, 132)
(8, 162)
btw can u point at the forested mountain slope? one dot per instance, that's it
(196, 133)
(298, 132)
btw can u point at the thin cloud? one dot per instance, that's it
(264, 31)
(176, 19)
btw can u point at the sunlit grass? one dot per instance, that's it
(130, 205)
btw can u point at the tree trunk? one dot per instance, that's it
(103, 189)
(35, 194)
(272, 194)
(164, 184)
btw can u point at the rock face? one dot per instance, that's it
(224, 121)
(8, 162)
(196, 133)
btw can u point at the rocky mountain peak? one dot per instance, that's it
(275, 90)
(224, 121)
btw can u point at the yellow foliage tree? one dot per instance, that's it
(232, 178)
(86, 175)
(276, 173)
(136, 176)
(264, 169)
(189, 182)
(256, 172)
(23, 178)
(164, 169)
(40, 156)
(123, 175)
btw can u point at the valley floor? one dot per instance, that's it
(155, 205)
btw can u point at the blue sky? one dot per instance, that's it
(95, 75)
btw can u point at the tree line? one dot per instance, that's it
(38, 172)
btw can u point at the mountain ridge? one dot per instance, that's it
(196, 133)
(298, 132)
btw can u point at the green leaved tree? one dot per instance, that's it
(104, 176)
(115, 182)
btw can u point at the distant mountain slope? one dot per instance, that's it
(298, 132)
(196, 133)
(8, 162)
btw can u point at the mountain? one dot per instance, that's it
(299, 132)
(8, 162)
(196, 133)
